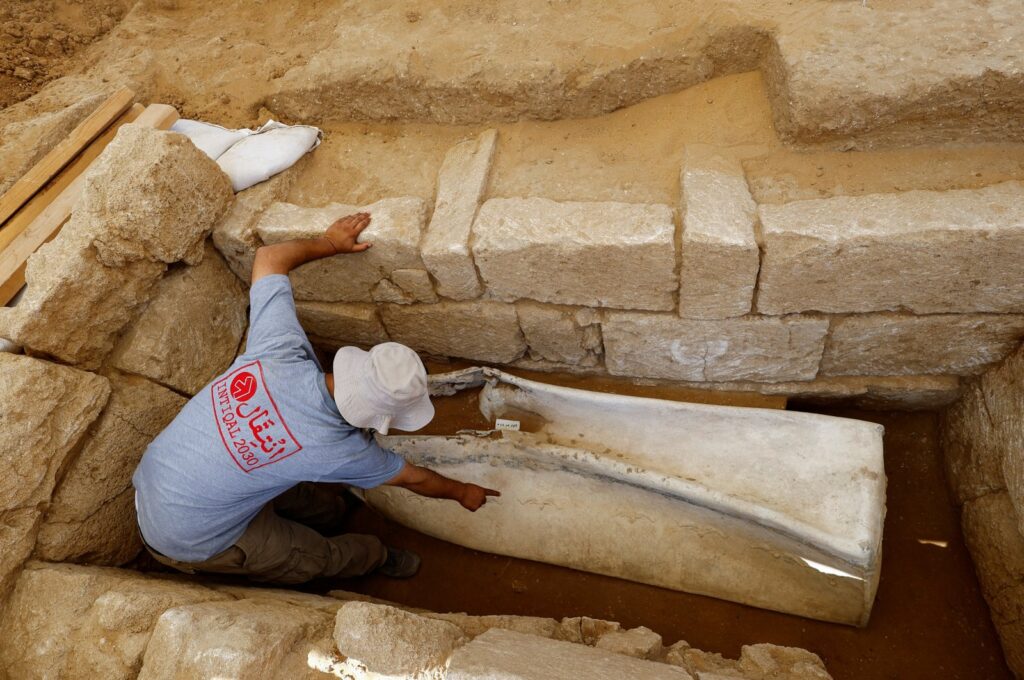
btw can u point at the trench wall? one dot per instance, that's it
(884, 298)
(983, 442)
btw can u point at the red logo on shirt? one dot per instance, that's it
(250, 425)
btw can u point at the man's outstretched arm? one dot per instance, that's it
(428, 483)
(340, 237)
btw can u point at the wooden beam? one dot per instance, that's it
(43, 218)
(62, 154)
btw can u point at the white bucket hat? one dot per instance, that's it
(383, 388)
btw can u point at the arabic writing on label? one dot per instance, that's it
(251, 427)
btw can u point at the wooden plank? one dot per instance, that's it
(58, 200)
(65, 152)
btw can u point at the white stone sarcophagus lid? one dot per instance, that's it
(769, 508)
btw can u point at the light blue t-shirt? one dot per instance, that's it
(257, 430)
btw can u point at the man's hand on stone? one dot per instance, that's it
(345, 231)
(473, 496)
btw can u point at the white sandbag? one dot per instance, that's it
(271, 149)
(213, 140)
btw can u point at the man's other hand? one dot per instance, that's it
(344, 232)
(473, 496)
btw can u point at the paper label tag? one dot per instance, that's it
(509, 425)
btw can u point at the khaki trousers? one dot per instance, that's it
(282, 545)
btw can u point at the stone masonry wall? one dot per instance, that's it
(885, 298)
(983, 442)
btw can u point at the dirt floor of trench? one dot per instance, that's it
(929, 619)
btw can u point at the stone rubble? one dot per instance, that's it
(461, 183)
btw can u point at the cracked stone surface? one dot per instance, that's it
(485, 331)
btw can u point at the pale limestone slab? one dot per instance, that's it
(45, 410)
(507, 655)
(922, 251)
(570, 335)
(762, 349)
(592, 254)
(252, 639)
(81, 623)
(719, 252)
(394, 643)
(461, 184)
(91, 517)
(485, 331)
(395, 230)
(405, 287)
(341, 323)
(191, 328)
(903, 344)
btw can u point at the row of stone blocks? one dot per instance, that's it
(923, 252)
(983, 443)
(70, 622)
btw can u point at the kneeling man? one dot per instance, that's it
(228, 486)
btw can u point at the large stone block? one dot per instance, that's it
(593, 254)
(394, 643)
(900, 344)
(92, 515)
(719, 254)
(561, 334)
(997, 546)
(507, 655)
(151, 195)
(395, 230)
(45, 410)
(461, 183)
(75, 307)
(923, 251)
(252, 639)
(191, 328)
(971, 447)
(762, 349)
(336, 324)
(235, 234)
(81, 623)
(485, 331)
(1002, 389)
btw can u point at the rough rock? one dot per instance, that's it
(330, 605)
(701, 664)
(900, 392)
(561, 334)
(640, 643)
(395, 229)
(191, 328)
(593, 254)
(395, 643)
(80, 623)
(771, 662)
(45, 410)
(719, 253)
(762, 349)
(950, 251)
(971, 447)
(92, 514)
(484, 331)
(473, 626)
(252, 639)
(503, 654)
(461, 183)
(335, 324)
(1003, 392)
(151, 195)
(235, 234)
(896, 344)
(405, 287)
(584, 629)
(992, 535)
(75, 307)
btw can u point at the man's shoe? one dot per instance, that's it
(400, 563)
